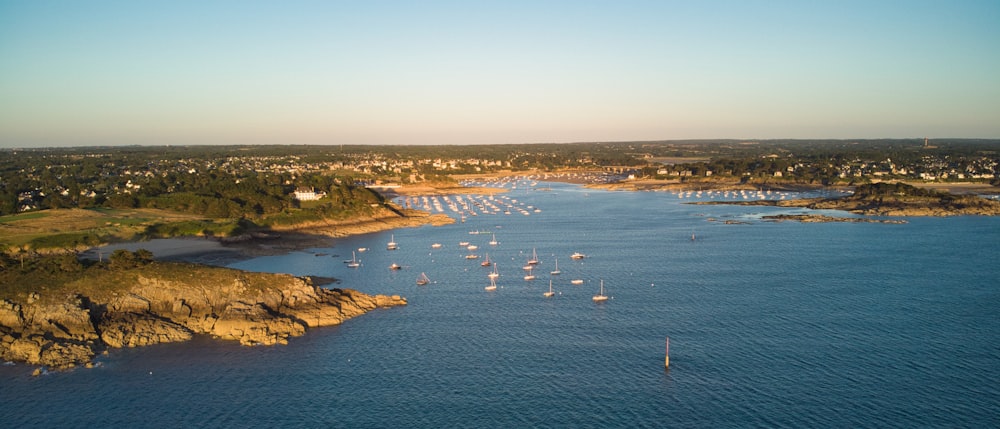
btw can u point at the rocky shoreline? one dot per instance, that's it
(958, 205)
(68, 327)
(181, 295)
(814, 218)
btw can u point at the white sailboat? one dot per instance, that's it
(556, 271)
(391, 245)
(423, 279)
(529, 276)
(354, 263)
(494, 274)
(494, 241)
(550, 293)
(577, 255)
(492, 286)
(601, 297)
(534, 257)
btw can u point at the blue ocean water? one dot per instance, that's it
(771, 324)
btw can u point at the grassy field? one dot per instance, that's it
(69, 228)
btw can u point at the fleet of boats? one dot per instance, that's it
(494, 274)
(474, 206)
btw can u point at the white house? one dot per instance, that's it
(308, 194)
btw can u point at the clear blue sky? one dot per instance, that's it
(464, 72)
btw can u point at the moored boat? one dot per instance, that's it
(423, 279)
(601, 297)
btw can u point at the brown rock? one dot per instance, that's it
(136, 330)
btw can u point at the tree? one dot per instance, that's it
(70, 263)
(122, 259)
(143, 256)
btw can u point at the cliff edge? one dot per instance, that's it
(64, 324)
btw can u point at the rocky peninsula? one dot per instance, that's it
(889, 199)
(64, 315)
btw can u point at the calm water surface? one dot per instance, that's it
(770, 324)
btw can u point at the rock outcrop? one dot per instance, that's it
(905, 201)
(252, 308)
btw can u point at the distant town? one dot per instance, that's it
(281, 176)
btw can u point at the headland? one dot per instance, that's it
(889, 199)
(81, 311)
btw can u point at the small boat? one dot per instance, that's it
(534, 258)
(463, 243)
(362, 249)
(472, 247)
(494, 274)
(436, 246)
(391, 245)
(487, 261)
(529, 276)
(556, 271)
(576, 281)
(492, 286)
(577, 255)
(395, 266)
(494, 241)
(354, 262)
(423, 279)
(601, 297)
(550, 293)
(471, 256)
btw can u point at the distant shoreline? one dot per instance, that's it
(213, 251)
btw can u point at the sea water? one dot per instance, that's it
(771, 324)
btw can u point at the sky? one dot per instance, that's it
(180, 72)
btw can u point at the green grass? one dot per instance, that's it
(223, 228)
(23, 216)
(66, 241)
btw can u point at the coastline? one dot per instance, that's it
(958, 188)
(222, 251)
(160, 305)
